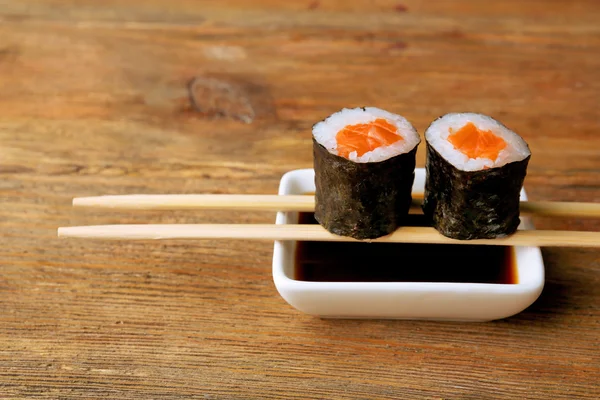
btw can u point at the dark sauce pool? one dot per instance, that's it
(400, 262)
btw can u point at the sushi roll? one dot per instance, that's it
(364, 162)
(475, 168)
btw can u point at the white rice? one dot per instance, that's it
(325, 133)
(437, 136)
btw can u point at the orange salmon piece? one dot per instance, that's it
(363, 138)
(475, 143)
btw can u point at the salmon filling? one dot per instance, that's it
(363, 138)
(475, 143)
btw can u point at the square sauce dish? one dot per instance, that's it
(402, 281)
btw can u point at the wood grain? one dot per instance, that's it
(159, 97)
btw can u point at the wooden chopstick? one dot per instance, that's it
(254, 202)
(317, 233)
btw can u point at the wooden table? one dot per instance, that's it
(185, 96)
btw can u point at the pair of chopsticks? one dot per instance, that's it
(306, 203)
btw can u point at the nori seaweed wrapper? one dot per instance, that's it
(362, 200)
(466, 205)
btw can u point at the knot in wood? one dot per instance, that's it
(216, 98)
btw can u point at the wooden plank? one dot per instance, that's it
(96, 100)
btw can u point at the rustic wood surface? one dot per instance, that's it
(181, 96)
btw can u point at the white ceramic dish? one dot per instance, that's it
(402, 300)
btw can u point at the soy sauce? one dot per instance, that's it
(402, 262)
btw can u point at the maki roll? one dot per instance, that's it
(364, 162)
(475, 168)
